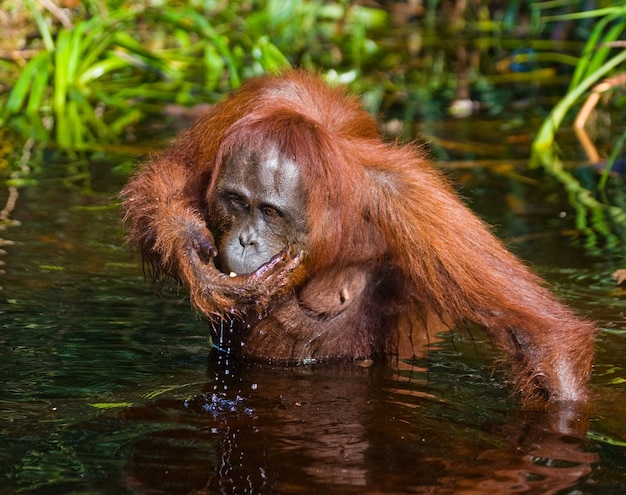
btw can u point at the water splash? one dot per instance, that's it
(217, 404)
(222, 400)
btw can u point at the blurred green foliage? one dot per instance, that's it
(93, 68)
(112, 63)
(78, 75)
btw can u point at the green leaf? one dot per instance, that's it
(214, 67)
(39, 87)
(21, 89)
(100, 68)
(61, 74)
(110, 405)
(545, 137)
(617, 381)
(270, 57)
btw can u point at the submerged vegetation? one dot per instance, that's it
(81, 75)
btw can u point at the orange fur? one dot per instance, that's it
(387, 235)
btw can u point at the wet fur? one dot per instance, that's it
(385, 228)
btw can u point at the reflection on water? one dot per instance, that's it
(345, 427)
(107, 387)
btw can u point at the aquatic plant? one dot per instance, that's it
(603, 54)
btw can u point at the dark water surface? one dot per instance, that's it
(108, 386)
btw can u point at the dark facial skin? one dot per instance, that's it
(260, 199)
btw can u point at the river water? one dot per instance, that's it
(108, 386)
